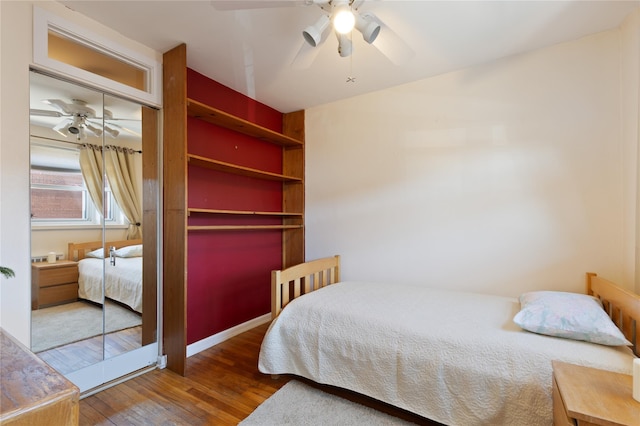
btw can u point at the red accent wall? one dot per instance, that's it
(229, 272)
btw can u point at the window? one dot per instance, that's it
(59, 196)
(75, 51)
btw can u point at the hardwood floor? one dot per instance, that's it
(222, 386)
(77, 355)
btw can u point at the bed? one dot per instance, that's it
(452, 357)
(122, 281)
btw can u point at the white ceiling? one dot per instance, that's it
(253, 50)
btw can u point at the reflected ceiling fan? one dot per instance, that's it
(343, 16)
(79, 118)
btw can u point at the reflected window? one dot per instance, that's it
(59, 196)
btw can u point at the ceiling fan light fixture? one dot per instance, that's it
(343, 19)
(344, 45)
(61, 128)
(76, 126)
(111, 131)
(93, 129)
(368, 27)
(313, 33)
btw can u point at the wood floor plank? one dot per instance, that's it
(221, 386)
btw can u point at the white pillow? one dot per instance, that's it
(130, 251)
(97, 253)
(569, 315)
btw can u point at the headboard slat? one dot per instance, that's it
(300, 276)
(620, 303)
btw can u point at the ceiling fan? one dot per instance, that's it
(79, 119)
(343, 16)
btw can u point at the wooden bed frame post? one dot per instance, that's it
(276, 294)
(622, 306)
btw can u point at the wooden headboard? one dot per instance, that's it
(78, 251)
(290, 283)
(622, 305)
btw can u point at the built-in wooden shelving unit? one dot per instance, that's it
(183, 221)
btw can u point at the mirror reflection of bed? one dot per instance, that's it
(73, 335)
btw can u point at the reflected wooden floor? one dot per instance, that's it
(77, 355)
(221, 386)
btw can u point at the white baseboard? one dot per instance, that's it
(211, 341)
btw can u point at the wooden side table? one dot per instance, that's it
(53, 283)
(586, 396)
(31, 392)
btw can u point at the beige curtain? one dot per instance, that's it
(121, 171)
(91, 168)
(119, 166)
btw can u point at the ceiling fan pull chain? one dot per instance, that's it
(350, 77)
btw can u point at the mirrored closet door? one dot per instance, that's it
(93, 231)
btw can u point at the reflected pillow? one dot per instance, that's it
(97, 253)
(130, 251)
(569, 315)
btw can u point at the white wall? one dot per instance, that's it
(16, 57)
(15, 51)
(630, 90)
(499, 178)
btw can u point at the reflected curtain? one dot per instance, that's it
(121, 172)
(91, 168)
(120, 169)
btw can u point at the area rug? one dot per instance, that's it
(299, 404)
(71, 322)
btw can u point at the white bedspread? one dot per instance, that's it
(123, 282)
(456, 358)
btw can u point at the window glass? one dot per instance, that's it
(72, 52)
(57, 195)
(60, 197)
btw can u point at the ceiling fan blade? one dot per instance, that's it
(111, 129)
(44, 113)
(108, 117)
(60, 104)
(224, 5)
(126, 129)
(391, 44)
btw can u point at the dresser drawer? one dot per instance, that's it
(56, 276)
(58, 294)
(53, 283)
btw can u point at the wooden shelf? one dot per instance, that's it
(241, 212)
(240, 227)
(220, 118)
(221, 166)
(181, 222)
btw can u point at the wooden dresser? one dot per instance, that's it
(53, 283)
(31, 392)
(584, 396)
